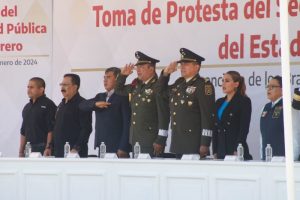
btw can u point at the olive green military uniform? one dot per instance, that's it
(191, 109)
(149, 111)
(147, 115)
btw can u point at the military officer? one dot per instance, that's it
(271, 119)
(149, 112)
(191, 102)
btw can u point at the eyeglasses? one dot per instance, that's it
(271, 87)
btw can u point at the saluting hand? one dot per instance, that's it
(102, 104)
(171, 68)
(127, 69)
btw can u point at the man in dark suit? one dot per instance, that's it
(112, 116)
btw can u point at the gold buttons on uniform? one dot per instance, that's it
(133, 122)
(174, 113)
(174, 123)
(190, 103)
(175, 103)
(190, 130)
(136, 104)
(148, 100)
(134, 113)
(182, 101)
(178, 94)
(143, 99)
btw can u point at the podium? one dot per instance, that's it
(136, 179)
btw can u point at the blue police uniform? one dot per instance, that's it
(272, 128)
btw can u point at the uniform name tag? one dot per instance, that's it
(190, 157)
(263, 114)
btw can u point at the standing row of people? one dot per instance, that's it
(142, 111)
(48, 127)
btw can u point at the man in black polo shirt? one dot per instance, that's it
(72, 125)
(38, 119)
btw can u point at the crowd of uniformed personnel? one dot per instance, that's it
(146, 110)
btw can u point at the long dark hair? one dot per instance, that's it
(236, 77)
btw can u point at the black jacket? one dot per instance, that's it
(233, 127)
(72, 125)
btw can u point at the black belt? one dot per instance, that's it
(38, 145)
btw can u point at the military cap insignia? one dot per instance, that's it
(189, 56)
(190, 89)
(148, 91)
(144, 59)
(208, 90)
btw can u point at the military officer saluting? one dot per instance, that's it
(149, 111)
(191, 101)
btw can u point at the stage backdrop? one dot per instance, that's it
(91, 35)
(25, 51)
